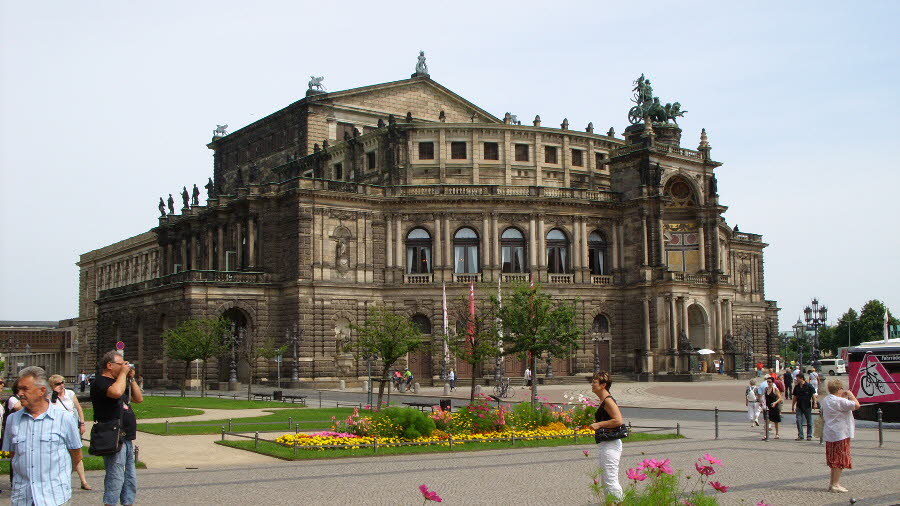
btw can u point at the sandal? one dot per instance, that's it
(86, 487)
(777, 436)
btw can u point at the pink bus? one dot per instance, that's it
(874, 376)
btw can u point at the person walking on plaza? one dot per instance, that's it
(837, 411)
(82, 380)
(67, 400)
(452, 378)
(527, 377)
(408, 377)
(773, 401)
(112, 393)
(814, 383)
(44, 444)
(752, 403)
(802, 405)
(607, 417)
(759, 369)
(788, 380)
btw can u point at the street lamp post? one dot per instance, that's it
(293, 338)
(799, 336)
(232, 377)
(815, 317)
(596, 340)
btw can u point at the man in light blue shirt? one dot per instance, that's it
(45, 445)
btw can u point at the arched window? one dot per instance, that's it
(422, 323)
(597, 253)
(512, 250)
(557, 252)
(418, 251)
(601, 324)
(465, 251)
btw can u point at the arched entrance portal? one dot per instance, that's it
(240, 324)
(420, 360)
(698, 326)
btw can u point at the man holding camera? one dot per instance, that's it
(112, 394)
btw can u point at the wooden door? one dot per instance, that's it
(420, 363)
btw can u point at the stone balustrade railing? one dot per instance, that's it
(597, 279)
(192, 276)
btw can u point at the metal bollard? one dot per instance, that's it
(766, 421)
(320, 398)
(256, 440)
(717, 422)
(290, 422)
(223, 433)
(677, 429)
(229, 425)
(880, 433)
(167, 426)
(137, 453)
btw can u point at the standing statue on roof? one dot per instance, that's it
(162, 208)
(210, 187)
(421, 66)
(184, 197)
(171, 203)
(195, 196)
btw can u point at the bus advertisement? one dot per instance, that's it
(874, 376)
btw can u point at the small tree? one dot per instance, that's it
(533, 324)
(388, 336)
(476, 338)
(251, 351)
(211, 338)
(180, 344)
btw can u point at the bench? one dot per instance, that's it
(421, 405)
(262, 397)
(294, 398)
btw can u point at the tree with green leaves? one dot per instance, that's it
(252, 351)
(475, 339)
(533, 325)
(388, 336)
(180, 345)
(871, 321)
(211, 338)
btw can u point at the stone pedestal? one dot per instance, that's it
(234, 386)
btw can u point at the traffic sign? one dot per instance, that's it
(120, 345)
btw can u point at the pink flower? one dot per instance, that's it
(718, 486)
(429, 495)
(712, 460)
(662, 466)
(635, 474)
(704, 470)
(761, 503)
(585, 452)
(647, 464)
(596, 481)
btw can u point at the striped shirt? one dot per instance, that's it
(42, 463)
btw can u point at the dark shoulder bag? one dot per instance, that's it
(610, 434)
(106, 437)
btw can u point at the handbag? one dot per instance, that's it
(106, 437)
(611, 434)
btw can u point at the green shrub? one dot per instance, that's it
(581, 415)
(407, 423)
(524, 416)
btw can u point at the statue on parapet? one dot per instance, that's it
(162, 208)
(220, 131)
(171, 203)
(649, 106)
(421, 66)
(185, 197)
(195, 196)
(210, 188)
(315, 83)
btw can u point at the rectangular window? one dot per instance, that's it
(578, 158)
(521, 152)
(550, 154)
(426, 151)
(599, 159)
(338, 171)
(370, 160)
(491, 151)
(458, 150)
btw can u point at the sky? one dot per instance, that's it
(106, 106)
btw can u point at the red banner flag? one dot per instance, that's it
(470, 331)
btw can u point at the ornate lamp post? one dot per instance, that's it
(596, 340)
(293, 338)
(235, 335)
(799, 336)
(815, 317)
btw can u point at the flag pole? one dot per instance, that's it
(498, 363)
(446, 358)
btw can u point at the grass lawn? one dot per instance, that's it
(287, 453)
(91, 463)
(323, 415)
(173, 407)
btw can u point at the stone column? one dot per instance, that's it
(239, 243)
(730, 317)
(576, 248)
(251, 241)
(532, 245)
(448, 249)
(495, 261)
(437, 252)
(486, 245)
(388, 242)
(209, 248)
(220, 243)
(716, 246)
(662, 244)
(717, 342)
(585, 264)
(194, 256)
(673, 327)
(648, 366)
(684, 315)
(644, 240)
(615, 246)
(398, 246)
(542, 244)
(184, 253)
(702, 245)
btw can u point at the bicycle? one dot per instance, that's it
(502, 389)
(871, 379)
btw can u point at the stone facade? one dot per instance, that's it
(383, 194)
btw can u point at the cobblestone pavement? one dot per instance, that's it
(782, 472)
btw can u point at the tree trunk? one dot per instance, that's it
(384, 377)
(475, 368)
(203, 380)
(533, 378)
(184, 380)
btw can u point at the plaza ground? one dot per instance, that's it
(193, 470)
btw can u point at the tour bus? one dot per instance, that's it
(873, 374)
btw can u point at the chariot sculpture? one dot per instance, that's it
(650, 107)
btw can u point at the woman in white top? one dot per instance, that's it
(837, 413)
(67, 400)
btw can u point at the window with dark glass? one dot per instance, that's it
(512, 250)
(521, 152)
(339, 171)
(418, 251)
(578, 158)
(601, 324)
(370, 160)
(557, 252)
(426, 151)
(599, 160)
(597, 253)
(491, 151)
(458, 150)
(465, 251)
(550, 154)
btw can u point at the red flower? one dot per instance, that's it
(718, 486)
(429, 495)
(704, 470)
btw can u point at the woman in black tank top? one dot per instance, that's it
(607, 416)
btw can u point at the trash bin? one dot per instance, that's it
(445, 405)
(277, 394)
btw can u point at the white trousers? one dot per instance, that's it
(608, 454)
(753, 411)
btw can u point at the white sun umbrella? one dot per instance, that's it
(705, 351)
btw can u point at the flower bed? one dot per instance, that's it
(328, 440)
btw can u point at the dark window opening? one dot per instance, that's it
(550, 154)
(426, 151)
(370, 160)
(339, 171)
(465, 251)
(597, 253)
(557, 252)
(577, 157)
(521, 152)
(418, 251)
(512, 250)
(458, 150)
(491, 151)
